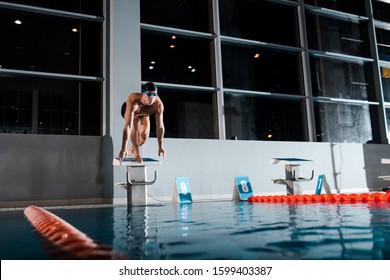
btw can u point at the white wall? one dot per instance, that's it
(212, 165)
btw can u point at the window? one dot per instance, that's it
(15, 109)
(381, 10)
(338, 79)
(327, 34)
(49, 44)
(183, 14)
(388, 121)
(383, 44)
(51, 68)
(347, 6)
(172, 58)
(49, 106)
(343, 123)
(259, 69)
(187, 114)
(259, 20)
(257, 118)
(93, 7)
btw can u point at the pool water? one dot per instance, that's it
(217, 230)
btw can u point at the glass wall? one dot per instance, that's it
(270, 66)
(51, 67)
(226, 69)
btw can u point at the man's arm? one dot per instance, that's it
(160, 130)
(129, 119)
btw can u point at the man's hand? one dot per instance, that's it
(161, 151)
(122, 154)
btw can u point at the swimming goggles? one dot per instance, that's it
(149, 93)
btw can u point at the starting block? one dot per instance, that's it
(136, 182)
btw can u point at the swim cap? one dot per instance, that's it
(123, 109)
(149, 86)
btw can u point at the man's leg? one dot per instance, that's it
(134, 136)
(144, 130)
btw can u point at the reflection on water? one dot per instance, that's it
(230, 230)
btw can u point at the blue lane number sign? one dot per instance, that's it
(182, 191)
(322, 183)
(242, 188)
(319, 184)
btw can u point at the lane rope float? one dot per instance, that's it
(375, 197)
(66, 237)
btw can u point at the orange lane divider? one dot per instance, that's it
(66, 237)
(330, 198)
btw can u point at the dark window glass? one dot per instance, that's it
(383, 43)
(256, 118)
(15, 111)
(385, 72)
(175, 59)
(343, 123)
(260, 21)
(258, 69)
(49, 44)
(49, 106)
(381, 10)
(338, 79)
(338, 36)
(187, 14)
(388, 121)
(92, 7)
(187, 114)
(348, 6)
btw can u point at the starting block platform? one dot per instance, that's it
(131, 162)
(136, 179)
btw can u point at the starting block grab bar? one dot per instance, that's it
(302, 179)
(133, 182)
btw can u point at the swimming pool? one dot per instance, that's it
(217, 230)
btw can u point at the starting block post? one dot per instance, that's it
(136, 181)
